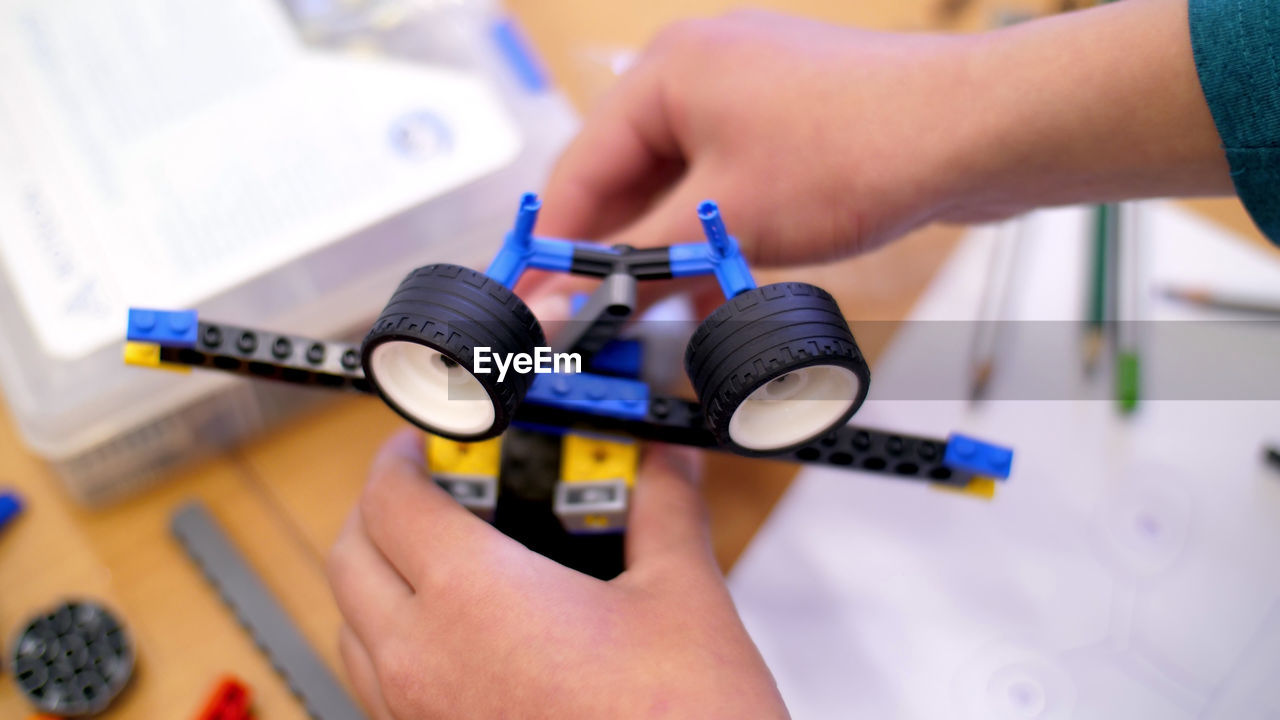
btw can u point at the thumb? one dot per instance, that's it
(668, 522)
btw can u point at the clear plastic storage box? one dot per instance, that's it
(273, 165)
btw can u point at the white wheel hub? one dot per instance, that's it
(430, 387)
(792, 408)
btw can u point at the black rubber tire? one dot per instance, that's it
(761, 335)
(453, 310)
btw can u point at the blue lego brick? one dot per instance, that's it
(975, 456)
(10, 507)
(515, 49)
(591, 394)
(171, 328)
(620, 358)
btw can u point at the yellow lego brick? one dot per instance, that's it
(979, 486)
(450, 457)
(145, 354)
(586, 458)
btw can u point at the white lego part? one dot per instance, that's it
(577, 504)
(793, 408)
(477, 493)
(439, 394)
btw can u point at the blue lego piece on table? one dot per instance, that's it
(978, 457)
(594, 394)
(10, 507)
(173, 328)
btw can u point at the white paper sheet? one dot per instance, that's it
(157, 153)
(1128, 569)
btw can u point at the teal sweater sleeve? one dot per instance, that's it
(1237, 52)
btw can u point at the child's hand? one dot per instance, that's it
(818, 141)
(448, 618)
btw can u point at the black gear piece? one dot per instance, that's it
(73, 660)
(453, 310)
(761, 335)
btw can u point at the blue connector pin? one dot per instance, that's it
(713, 227)
(526, 217)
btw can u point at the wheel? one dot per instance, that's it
(419, 354)
(775, 368)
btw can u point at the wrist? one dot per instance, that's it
(1093, 106)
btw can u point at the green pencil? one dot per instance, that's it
(1104, 232)
(1128, 289)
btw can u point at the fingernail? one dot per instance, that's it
(683, 462)
(403, 448)
(550, 308)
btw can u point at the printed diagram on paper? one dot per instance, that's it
(160, 153)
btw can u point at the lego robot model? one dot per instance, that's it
(775, 367)
(776, 371)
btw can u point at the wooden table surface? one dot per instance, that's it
(282, 497)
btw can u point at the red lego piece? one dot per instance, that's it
(229, 701)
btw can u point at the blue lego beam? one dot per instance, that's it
(719, 255)
(172, 328)
(521, 250)
(978, 457)
(594, 394)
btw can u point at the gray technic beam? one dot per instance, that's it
(260, 614)
(599, 319)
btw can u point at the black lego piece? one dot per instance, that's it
(529, 471)
(272, 356)
(761, 336)
(453, 310)
(669, 419)
(73, 659)
(895, 454)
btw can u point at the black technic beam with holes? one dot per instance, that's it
(678, 421)
(304, 361)
(906, 456)
(273, 356)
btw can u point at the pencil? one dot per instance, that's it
(1224, 300)
(1105, 220)
(989, 331)
(1128, 292)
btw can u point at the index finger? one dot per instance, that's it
(626, 153)
(417, 526)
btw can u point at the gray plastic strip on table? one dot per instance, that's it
(268, 623)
